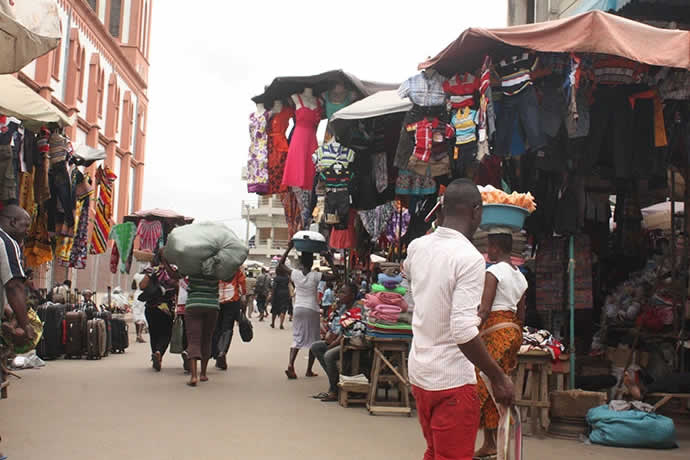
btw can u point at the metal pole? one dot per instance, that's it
(571, 270)
(400, 223)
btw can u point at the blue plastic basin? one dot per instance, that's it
(503, 215)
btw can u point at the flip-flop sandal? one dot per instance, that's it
(191, 384)
(329, 398)
(318, 396)
(291, 375)
(311, 375)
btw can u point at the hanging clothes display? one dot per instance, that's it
(123, 235)
(333, 162)
(104, 210)
(347, 238)
(278, 149)
(293, 216)
(38, 249)
(257, 165)
(60, 206)
(150, 233)
(299, 167)
(79, 252)
(376, 220)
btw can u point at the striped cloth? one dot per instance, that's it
(202, 293)
(104, 210)
(149, 233)
(516, 73)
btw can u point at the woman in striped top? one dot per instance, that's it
(201, 314)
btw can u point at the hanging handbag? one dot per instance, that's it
(246, 328)
(177, 337)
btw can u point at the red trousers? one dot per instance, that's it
(450, 421)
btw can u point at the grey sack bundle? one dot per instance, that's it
(208, 249)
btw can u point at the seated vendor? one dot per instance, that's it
(640, 386)
(327, 351)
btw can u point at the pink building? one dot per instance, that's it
(100, 73)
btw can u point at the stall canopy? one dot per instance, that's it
(593, 32)
(376, 105)
(283, 87)
(20, 101)
(28, 29)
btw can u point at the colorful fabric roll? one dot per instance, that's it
(104, 210)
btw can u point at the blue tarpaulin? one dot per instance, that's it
(584, 6)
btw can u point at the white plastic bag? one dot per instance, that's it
(509, 433)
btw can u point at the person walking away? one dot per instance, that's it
(182, 293)
(138, 308)
(159, 289)
(502, 313)
(328, 298)
(446, 273)
(201, 315)
(262, 290)
(306, 327)
(280, 299)
(251, 293)
(232, 300)
(327, 351)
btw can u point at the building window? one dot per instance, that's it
(57, 59)
(82, 73)
(93, 4)
(115, 17)
(101, 85)
(144, 28)
(132, 188)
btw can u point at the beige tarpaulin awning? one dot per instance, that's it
(593, 32)
(376, 105)
(28, 29)
(19, 101)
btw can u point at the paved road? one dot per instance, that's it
(118, 408)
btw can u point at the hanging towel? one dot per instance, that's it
(123, 235)
(149, 233)
(104, 210)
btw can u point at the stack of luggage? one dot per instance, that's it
(76, 331)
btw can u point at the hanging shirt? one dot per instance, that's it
(333, 162)
(461, 89)
(465, 123)
(425, 89)
(428, 133)
(516, 72)
(614, 70)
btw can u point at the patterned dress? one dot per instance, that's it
(257, 166)
(278, 149)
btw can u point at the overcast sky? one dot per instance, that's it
(209, 57)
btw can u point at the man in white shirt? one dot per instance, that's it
(447, 273)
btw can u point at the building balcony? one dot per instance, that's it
(265, 206)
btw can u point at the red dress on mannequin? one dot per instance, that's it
(299, 167)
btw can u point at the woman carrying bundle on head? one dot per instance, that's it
(502, 313)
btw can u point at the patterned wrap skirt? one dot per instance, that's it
(503, 345)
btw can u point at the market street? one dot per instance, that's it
(119, 408)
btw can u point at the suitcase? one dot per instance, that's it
(96, 337)
(50, 346)
(75, 326)
(120, 335)
(107, 317)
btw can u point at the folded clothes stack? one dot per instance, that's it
(358, 379)
(388, 315)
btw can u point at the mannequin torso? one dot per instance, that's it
(306, 99)
(277, 108)
(260, 108)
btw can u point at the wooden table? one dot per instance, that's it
(390, 366)
(532, 389)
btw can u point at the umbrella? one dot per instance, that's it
(85, 155)
(165, 215)
(30, 29)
